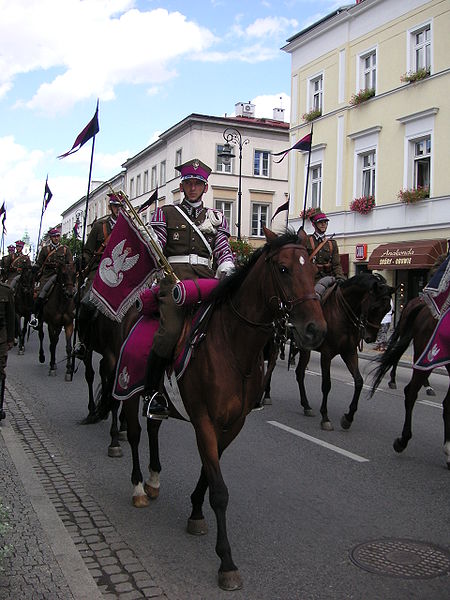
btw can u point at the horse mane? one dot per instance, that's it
(233, 282)
(364, 280)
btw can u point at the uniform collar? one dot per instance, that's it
(319, 237)
(192, 209)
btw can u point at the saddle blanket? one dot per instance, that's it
(437, 351)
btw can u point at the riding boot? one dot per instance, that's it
(154, 401)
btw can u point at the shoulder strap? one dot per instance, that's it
(194, 226)
(319, 247)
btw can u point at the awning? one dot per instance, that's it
(419, 254)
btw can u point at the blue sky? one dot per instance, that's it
(151, 63)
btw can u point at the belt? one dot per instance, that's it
(192, 259)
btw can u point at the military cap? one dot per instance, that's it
(194, 169)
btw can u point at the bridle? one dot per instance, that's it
(360, 322)
(284, 304)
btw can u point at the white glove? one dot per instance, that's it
(224, 269)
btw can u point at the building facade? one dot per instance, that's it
(372, 79)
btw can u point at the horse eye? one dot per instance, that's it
(283, 270)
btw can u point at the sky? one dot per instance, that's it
(150, 63)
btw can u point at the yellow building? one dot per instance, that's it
(373, 80)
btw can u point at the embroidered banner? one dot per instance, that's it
(437, 351)
(127, 266)
(437, 292)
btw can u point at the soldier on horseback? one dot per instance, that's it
(51, 256)
(6, 262)
(324, 251)
(16, 265)
(195, 241)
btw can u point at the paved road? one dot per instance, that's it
(309, 510)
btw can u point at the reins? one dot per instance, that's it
(358, 322)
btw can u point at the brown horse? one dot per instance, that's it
(59, 312)
(23, 302)
(417, 326)
(224, 379)
(353, 312)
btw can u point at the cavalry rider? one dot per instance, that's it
(92, 255)
(7, 327)
(6, 261)
(323, 250)
(192, 237)
(50, 257)
(16, 265)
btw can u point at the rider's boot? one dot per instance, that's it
(154, 401)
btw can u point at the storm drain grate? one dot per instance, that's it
(402, 558)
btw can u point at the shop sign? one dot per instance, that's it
(361, 251)
(398, 257)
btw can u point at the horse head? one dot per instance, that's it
(66, 279)
(292, 287)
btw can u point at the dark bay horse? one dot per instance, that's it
(417, 327)
(224, 378)
(59, 312)
(23, 302)
(353, 312)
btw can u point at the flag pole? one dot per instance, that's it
(42, 214)
(307, 179)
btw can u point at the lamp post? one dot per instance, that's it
(233, 135)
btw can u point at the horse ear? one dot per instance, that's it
(270, 235)
(302, 237)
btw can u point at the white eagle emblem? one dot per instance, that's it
(124, 378)
(111, 268)
(432, 354)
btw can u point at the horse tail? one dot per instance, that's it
(398, 342)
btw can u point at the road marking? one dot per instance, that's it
(430, 403)
(319, 442)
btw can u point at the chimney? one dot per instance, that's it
(278, 114)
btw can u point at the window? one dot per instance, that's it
(422, 48)
(138, 185)
(261, 163)
(162, 173)
(422, 159)
(316, 185)
(227, 208)
(145, 181)
(368, 174)
(154, 181)
(260, 218)
(132, 187)
(221, 167)
(368, 74)
(178, 159)
(316, 91)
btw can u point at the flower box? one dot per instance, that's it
(312, 114)
(363, 205)
(418, 75)
(413, 195)
(309, 212)
(362, 96)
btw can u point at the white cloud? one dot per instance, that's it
(264, 105)
(270, 26)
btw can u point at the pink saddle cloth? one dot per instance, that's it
(437, 351)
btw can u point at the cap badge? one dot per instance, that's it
(195, 164)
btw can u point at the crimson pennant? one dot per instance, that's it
(304, 145)
(91, 129)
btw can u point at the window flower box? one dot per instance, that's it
(413, 195)
(312, 114)
(310, 212)
(363, 205)
(362, 96)
(418, 75)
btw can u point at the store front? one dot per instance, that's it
(411, 262)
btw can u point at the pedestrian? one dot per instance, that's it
(195, 240)
(382, 337)
(323, 250)
(7, 329)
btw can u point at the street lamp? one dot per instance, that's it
(233, 135)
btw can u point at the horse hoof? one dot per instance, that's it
(392, 385)
(308, 412)
(123, 436)
(115, 452)
(151, 492)
(398, 446)
(52, 373)
(199, 527)
(68, 377)
(430, 391)
(268, 401)
(345, 423)
(3, 416)
(21, 352)
(327, 426)
(140, 501)
(42, 359)
(230, 580)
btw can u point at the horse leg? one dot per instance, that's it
(54, 336)
(411, 391)
(114, 449)
(325, 362)
(446, 417)
(123, 425)
(152, 485)
(352, 365)
(428, 389)
(392, 383)
(22, 333)
(68, 330)
(300, 377)
(229, 577)
(140, 498)
(41, 342)
(196, 522)
(89, 375)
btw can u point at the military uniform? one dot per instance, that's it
(16, 265)
(5, 264)
(7, 326)
(327, 259)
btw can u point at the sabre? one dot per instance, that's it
(164, 263)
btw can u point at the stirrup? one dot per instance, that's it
(80, 351)
(33, 322)
(155, 406)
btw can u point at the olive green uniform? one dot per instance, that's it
(327, 259)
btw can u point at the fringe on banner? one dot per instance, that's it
(119, 314)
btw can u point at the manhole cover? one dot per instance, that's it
(402, 558)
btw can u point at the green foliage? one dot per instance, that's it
(73, 243)
(362, 96)
(242, 251)
(311, 115)
(418, 75)
(413, 195)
